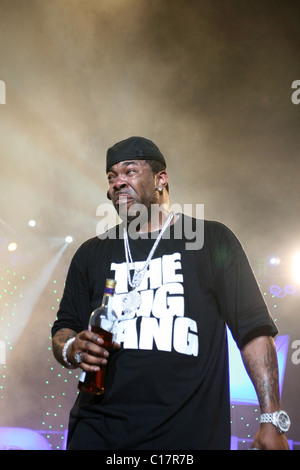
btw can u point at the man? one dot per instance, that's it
(167, 383)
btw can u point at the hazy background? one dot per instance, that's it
(208, 81)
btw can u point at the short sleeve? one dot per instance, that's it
(240, 301)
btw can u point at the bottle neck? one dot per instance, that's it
(107, 296)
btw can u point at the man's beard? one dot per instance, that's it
(139, 214)
(135, 211)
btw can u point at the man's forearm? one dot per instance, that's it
(59, 340)
(260, 360)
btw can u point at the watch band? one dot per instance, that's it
(266, 418)
(279, 419)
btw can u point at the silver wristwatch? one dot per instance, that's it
(280, 419)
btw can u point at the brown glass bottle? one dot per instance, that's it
(102, 321)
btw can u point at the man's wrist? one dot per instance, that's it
(67, 363)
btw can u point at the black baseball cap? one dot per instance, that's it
(133, 148)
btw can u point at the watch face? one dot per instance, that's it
(283, 421)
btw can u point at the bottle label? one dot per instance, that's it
(82, 376)
(109, 291)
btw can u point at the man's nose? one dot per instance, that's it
(120, 183)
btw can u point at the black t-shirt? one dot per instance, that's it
(168, 386)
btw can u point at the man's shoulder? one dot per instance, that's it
(211, 226)
(214, 232)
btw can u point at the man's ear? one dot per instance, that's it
(162, 179)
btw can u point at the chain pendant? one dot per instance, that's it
(137, 278)
(131, 302)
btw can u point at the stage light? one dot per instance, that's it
(296, 267)
(22, 439)
(32, 223)
(68, 239)
(12, 246)
(274, 261)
